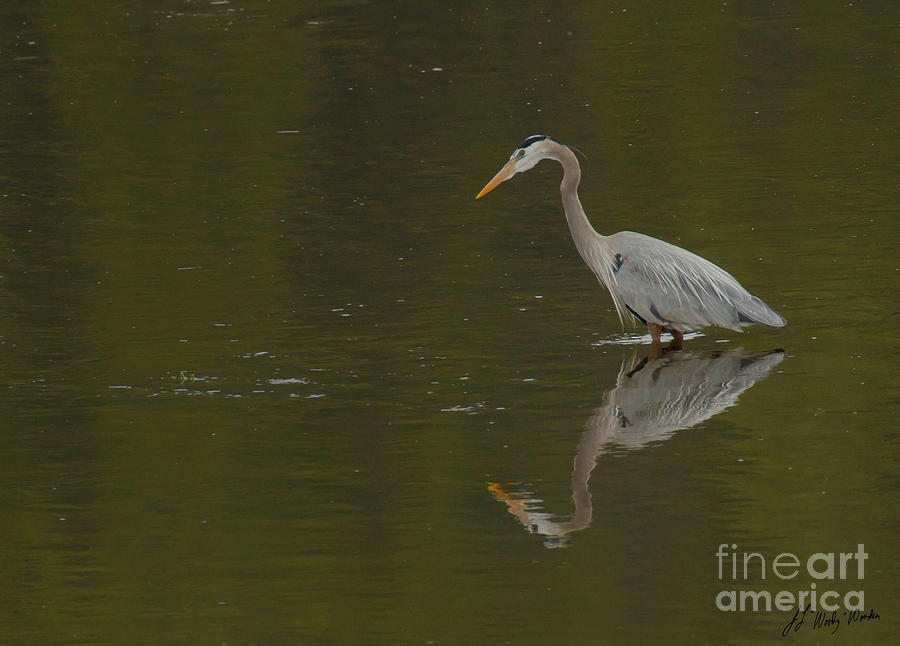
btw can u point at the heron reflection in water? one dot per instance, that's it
(652, 399)
(665, 287)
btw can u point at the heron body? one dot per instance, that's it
(664, 286)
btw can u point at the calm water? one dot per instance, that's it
(272, 376)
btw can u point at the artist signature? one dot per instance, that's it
(830, 621)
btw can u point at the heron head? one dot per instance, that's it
(525, 157)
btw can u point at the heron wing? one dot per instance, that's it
(672, 287)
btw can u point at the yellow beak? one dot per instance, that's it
(505, 173)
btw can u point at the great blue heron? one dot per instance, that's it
(666, 287)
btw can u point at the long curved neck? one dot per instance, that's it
(579, 225)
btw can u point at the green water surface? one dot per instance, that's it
(271, 375)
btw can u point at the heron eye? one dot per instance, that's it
(521, 153)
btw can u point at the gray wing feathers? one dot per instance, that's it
(670, 286)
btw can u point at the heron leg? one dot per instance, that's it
(655, 347)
